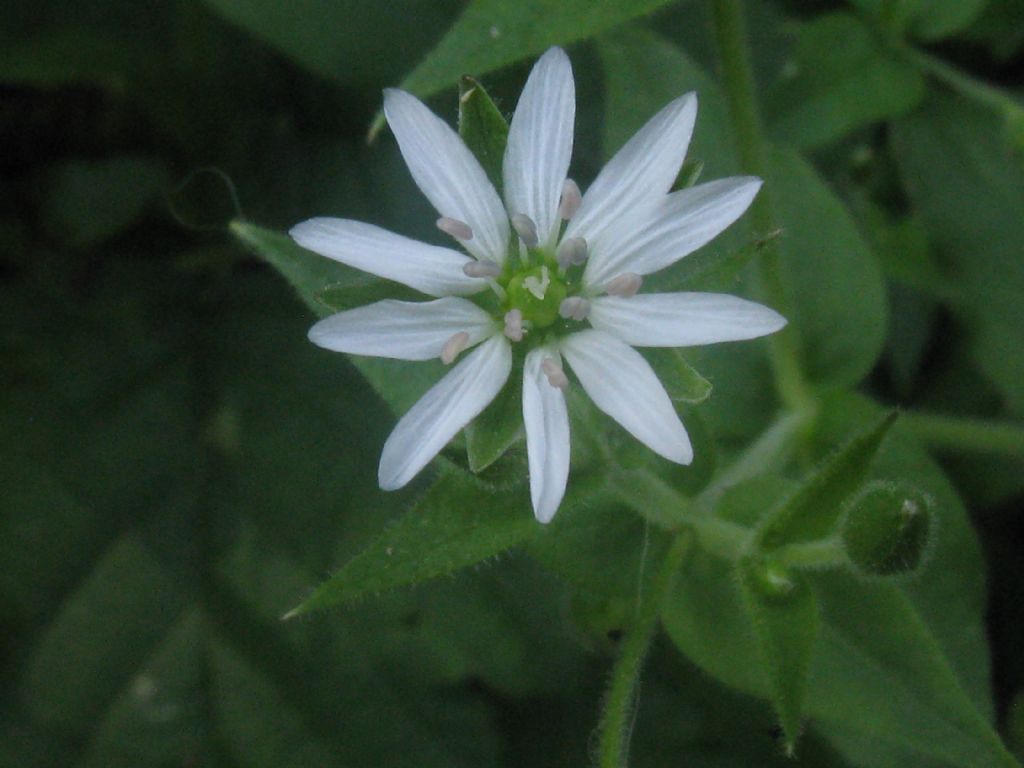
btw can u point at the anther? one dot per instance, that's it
(451, 349)
(625, 285)
(514, 325)
(571, 198)
(460, 230)
(482, 268)
(525, 228)
(574, 308)
(556, 376)
(571, 252)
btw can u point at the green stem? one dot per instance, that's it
(616, 720)
(959, 81)
(811, 554)
(664, 506)
(958, 433)
(738, 79)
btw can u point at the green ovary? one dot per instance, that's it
(537, 293)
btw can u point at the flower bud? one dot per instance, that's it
(886, 529)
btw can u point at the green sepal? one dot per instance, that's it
(784, 612)
(680, 379)
(483, 128)
(360, 291)
(304, 270)
(813, 512)
(688, 175)
(710, 268)
(886, 530)
(497, 429)
(458, 522)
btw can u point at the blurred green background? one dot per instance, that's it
(179, 466)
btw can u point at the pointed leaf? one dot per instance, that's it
(307, 272)
(482, 127)
(494, 33)
(813, 511)
(844, 78)
(786, 626)
(457, 523)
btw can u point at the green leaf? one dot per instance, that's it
(925, 19)
(319, 280)
(112, 621)
(457, 523)
(813, 511)
(900, 674)
(308, 273)
(497, 429)
(597, 544)
(786, 628)
(836, 289)
(483, 128)
(494, 33)
(842, 78)
(972, 208)
(346, 40)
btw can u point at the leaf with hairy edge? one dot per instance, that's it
(843, 78)
(900, 674)
(813, 511)
(326, 286)
(785, 627)
(494, 33)
(483, 128)
(308, 273)
(457, 523)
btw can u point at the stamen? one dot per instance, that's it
(460, 230)
(574, 308)
(571, 252)
(538, 287)
(451, 349)
(625, 285)
(525, 228)
(514, 325)
(556, 376)
(482, 268)
(571, 199)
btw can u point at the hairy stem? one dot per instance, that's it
(738, 80)
(616, 720)
(957, 433)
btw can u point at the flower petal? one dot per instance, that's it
(540, 144)
(445, 409)
(447, 173)
(682, 319)
(431, 269)
(404, 330)
(547, 435)
(622, 384)
(684, 221)
(639, 174)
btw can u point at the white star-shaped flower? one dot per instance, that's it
(566, 281)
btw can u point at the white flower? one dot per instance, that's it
(566, 292)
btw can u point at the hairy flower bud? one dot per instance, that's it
(886, 529)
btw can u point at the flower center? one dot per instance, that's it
(537, 293)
